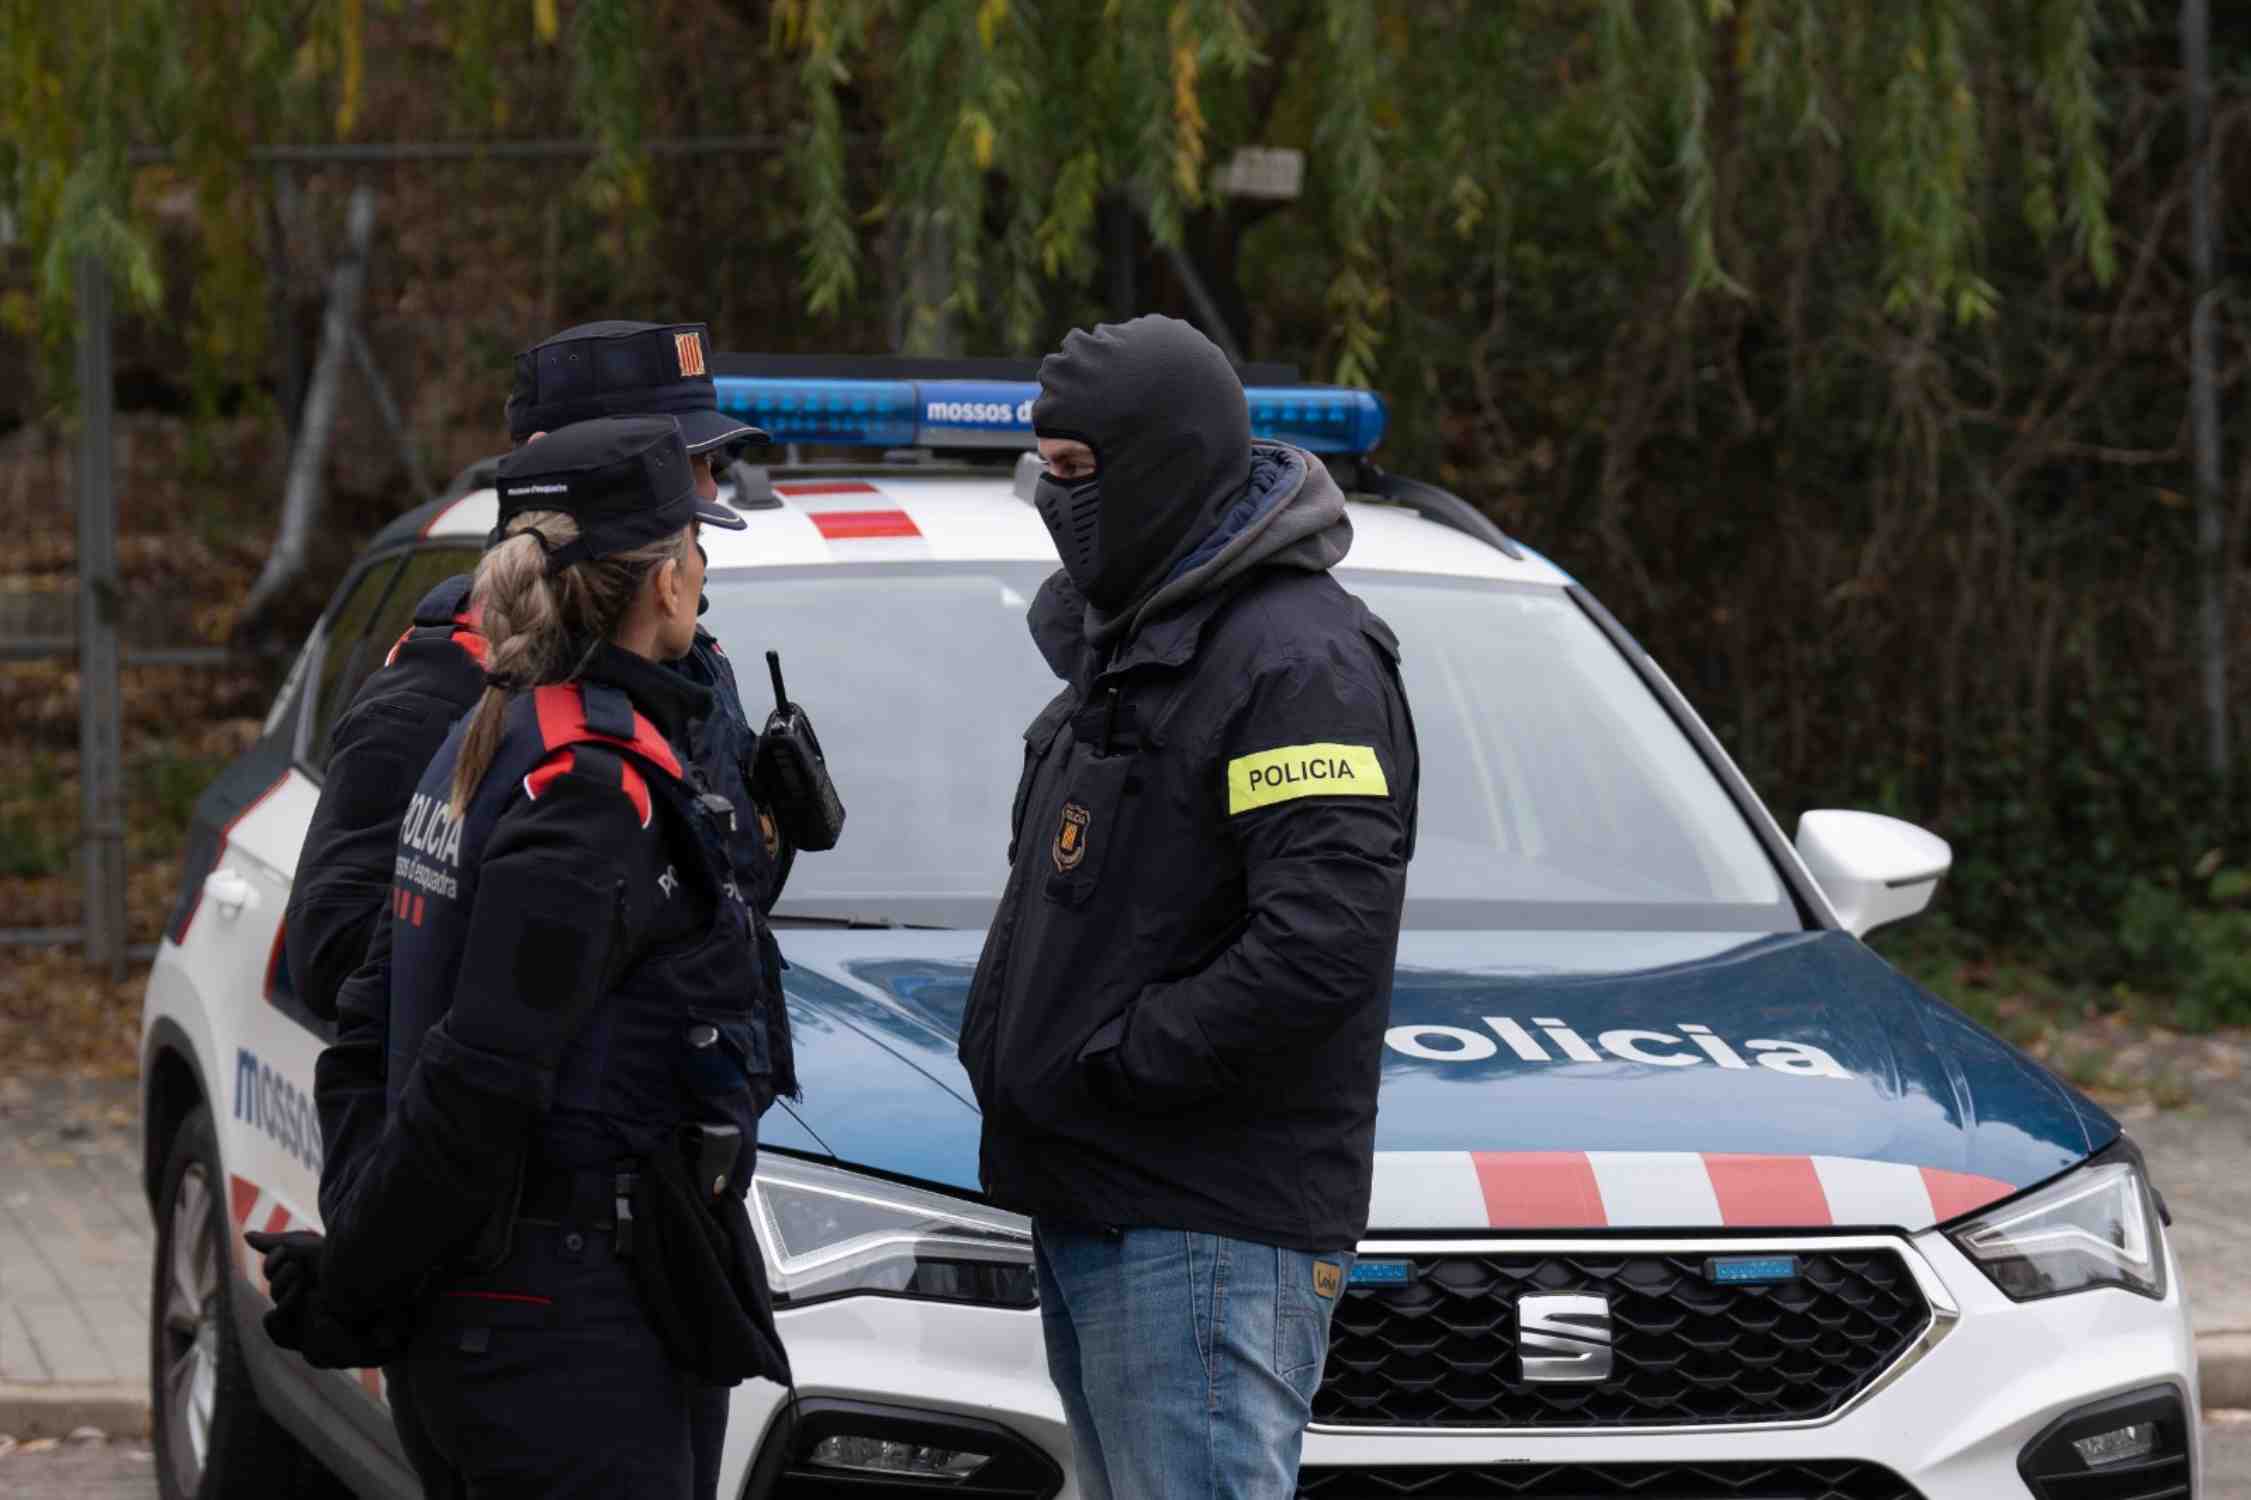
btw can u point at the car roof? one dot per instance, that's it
(852, 514)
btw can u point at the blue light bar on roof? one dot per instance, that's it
(998, 413)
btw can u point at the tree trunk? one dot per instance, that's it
(301, 501)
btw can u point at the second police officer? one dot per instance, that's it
(568, 1015)
(339, 906)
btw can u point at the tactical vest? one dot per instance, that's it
(633, 1073)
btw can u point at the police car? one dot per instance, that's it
(1680, 1190)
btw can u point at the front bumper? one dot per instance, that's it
(1952, 1422)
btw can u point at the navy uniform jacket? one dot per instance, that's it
(1177, 1021)
(553, 950)
(379, 749)
(338, 942)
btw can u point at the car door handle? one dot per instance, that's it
(230, 891)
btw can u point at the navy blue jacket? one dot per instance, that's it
(553, 951)
(338, 942)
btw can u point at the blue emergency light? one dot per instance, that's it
(998, 413)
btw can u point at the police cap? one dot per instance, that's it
(624, 480)
(620, 369)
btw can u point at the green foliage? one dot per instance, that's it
(37, 827)
(824, 32)
(2193, 938)
(607, 87)
(39, 808)
(162, 788)
(1350, 138)
(1006, 123)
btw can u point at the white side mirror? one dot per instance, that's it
(1872, 868)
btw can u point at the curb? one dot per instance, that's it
(118, 1408)
(2223, 1365)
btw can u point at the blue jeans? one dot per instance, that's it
(1187, 1362)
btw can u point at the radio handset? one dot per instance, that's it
(790, 776)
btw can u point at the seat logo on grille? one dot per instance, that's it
(1564, 1338)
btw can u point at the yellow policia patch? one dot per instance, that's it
(1271, 776)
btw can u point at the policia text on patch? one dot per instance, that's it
(1271, 776)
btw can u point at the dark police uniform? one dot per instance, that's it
(554, 953)
(379, 748)
(336, 921)
(339, 904)
(433, 675)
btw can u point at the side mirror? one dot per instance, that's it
(1872, 868)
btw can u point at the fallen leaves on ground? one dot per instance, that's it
(56, 1010)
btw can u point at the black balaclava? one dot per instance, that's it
(1171, 432)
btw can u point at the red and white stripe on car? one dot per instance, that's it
(1567, 1190)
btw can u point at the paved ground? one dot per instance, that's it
(75, 1244)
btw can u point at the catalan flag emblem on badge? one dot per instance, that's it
(1070, 838)
(689, 348)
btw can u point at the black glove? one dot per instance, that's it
(300, 1320)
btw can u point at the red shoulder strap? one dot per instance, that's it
(561, 763)
(462, 632)
(562, 721)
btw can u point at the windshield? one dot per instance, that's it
(1556, 790)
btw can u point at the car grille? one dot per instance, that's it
(1711, 1481)
(1441, 1350)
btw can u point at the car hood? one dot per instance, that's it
(1535, 1080)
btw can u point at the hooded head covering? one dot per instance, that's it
(1170, 428)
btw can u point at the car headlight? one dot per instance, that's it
(2090, 1228)
(827, 1232)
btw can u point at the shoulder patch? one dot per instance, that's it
(1292, 771)
(545, 773)
(591, 764)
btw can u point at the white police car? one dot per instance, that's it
(1680, 1190)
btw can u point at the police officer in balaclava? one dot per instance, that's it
(1175, 1027)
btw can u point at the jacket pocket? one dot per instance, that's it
(979, 1013)
(1037, 737)
(722, 1051)
(1087, 826)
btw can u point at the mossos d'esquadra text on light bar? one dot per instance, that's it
(998, 413)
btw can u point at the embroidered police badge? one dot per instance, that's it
(1070, 838)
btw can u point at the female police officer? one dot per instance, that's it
(566, 997)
